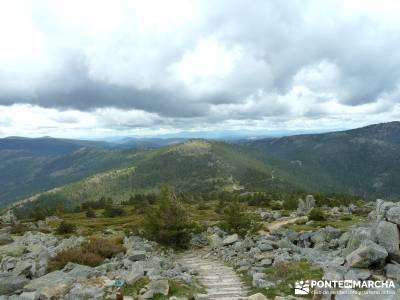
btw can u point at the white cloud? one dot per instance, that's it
(101, 67)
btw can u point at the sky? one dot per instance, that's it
(95, 69)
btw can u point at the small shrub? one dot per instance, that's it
(19, 229)
(65, 228)
(290, 204)
(276, 205)
(112, 212)
(236, 220)
(168, 222)
(135, 288)
(219, 208)
(346, 218)
(90, 253)
(316, 214)
(202, 206)
(90, 213)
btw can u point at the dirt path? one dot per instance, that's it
(278, 224)
(221, 282)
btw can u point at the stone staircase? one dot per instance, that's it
(220, 281)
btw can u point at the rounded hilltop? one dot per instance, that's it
(193, 147)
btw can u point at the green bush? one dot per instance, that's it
(346, 218)
(90, 213)
(65, 228)
(168, 222)
(112, 212)
(202, 206)
(290, 204)
(316, 214)
(276, 205)
(237, 220)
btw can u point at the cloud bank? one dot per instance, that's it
(121, 67)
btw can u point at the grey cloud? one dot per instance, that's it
(284, 36)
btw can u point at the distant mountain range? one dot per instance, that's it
(364, 162)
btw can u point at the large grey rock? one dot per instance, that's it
(356, 236)
(357, 274)
(266, 262)
(80, 292)
(13, 249)
(25, 267)
(306, 205)
(395, 256)
(326, 235)
(393, 215)
(388, 236)
(54, 284)
(136, 255)
(367, 254)
(26, 296)
(8, 263)
(393, 271)
(230, 239)
(258, 296)
(10, 283)
(381, 209)
(215, 241)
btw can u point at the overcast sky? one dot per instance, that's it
(107, 68)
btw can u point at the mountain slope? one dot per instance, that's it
(364, 161)
(195, 166)
(32, 165)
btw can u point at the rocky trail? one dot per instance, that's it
(220, 281)
(278, 224)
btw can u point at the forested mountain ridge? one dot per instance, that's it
(363, 161)
(196, 166)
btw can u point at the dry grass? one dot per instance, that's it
(91, 253)
(19, 229)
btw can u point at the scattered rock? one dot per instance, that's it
(367, 254)
(136, 255)
(393, 271)
(388, 236)
(229, 240)
(257, 296)
(10, 283)
(306, 205)
(393, 215)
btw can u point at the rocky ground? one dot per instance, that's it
(220, 266)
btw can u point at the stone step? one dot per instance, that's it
(220, 281)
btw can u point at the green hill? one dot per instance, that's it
(194, 166)
(364, 161)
